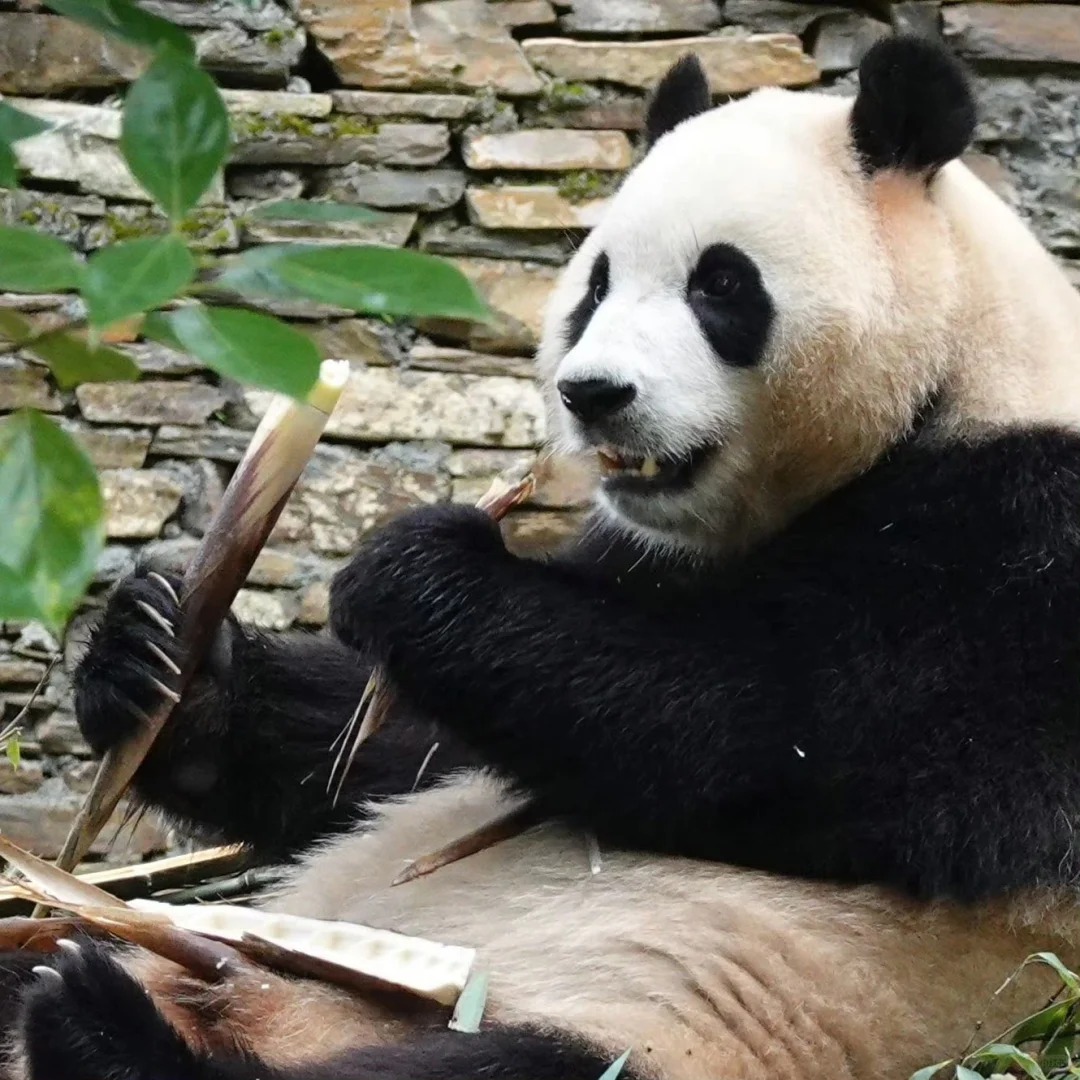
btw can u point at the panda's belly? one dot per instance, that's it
(708, 969)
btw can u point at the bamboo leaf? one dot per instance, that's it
(51, 531)
(298, 210)
(124, 21)
(175, 133)
(1069, 978)
(469, 1010)
(614, 1070)
(73, 360)
(13, 751)
(35, 262)
(128, 279)
(373, 280)
(930, 1071)
(244, 345)
(1000, 1057)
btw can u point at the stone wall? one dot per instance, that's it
(490, 131)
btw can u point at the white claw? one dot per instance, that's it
(48, 973)
(157, 617)
(164, 657)
(69, 946)
(164, 583)
(166, 691)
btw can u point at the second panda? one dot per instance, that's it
(810, 675)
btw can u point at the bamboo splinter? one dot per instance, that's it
(377, 702)
(280, 448)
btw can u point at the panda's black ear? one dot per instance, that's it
(914, 110)
(682, 93)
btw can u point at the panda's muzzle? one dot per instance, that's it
(621, 471)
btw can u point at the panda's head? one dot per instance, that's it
(769, 299)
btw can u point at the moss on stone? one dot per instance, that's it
(562, 96)
(577, 187)
(124, 228)
(351, 125)
(262, 125)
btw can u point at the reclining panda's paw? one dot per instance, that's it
(86, 1018)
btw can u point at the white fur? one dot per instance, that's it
(881, 294)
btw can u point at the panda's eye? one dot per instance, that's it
(720, 284)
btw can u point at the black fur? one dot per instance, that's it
(886, 691)
(914, 110)
(247, 756)
(731, 304)
(595, 293)
(883, 692)
(97, 1023)
(681, 94)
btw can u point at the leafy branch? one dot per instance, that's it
(1043, 1046)
(175, 138)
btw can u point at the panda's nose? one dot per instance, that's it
(595, 399)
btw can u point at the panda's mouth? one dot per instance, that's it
(622, 471)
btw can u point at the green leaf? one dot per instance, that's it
(16, 124)
(122, 20)
(175, 132)
(379, 281)
(253, 274)
(51, 529)
(469, 1010)
(73, 360)
(1069, 978)
(964, 1073)
(614, 1070)
(9, 167)
(1000, 1056)
(36, 262)
(255, 349)
(13, 327)
(13, 750)
(298, 210)
(128, 279)
(930, 1071)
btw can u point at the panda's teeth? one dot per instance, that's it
(650, 467)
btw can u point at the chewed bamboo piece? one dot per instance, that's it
(280, 448)
(377, 701)
(426, 968)
(49, 886)
(217, 942)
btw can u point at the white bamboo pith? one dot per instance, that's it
(426, 968)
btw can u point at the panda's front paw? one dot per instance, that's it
(412, 574)
(86, 1018)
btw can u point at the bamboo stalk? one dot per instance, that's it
(378, 701)
(506, 827)
(253, 501)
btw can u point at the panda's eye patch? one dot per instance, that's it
(595, 294)
(732, 306)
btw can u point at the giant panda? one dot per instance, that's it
(811, 674)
